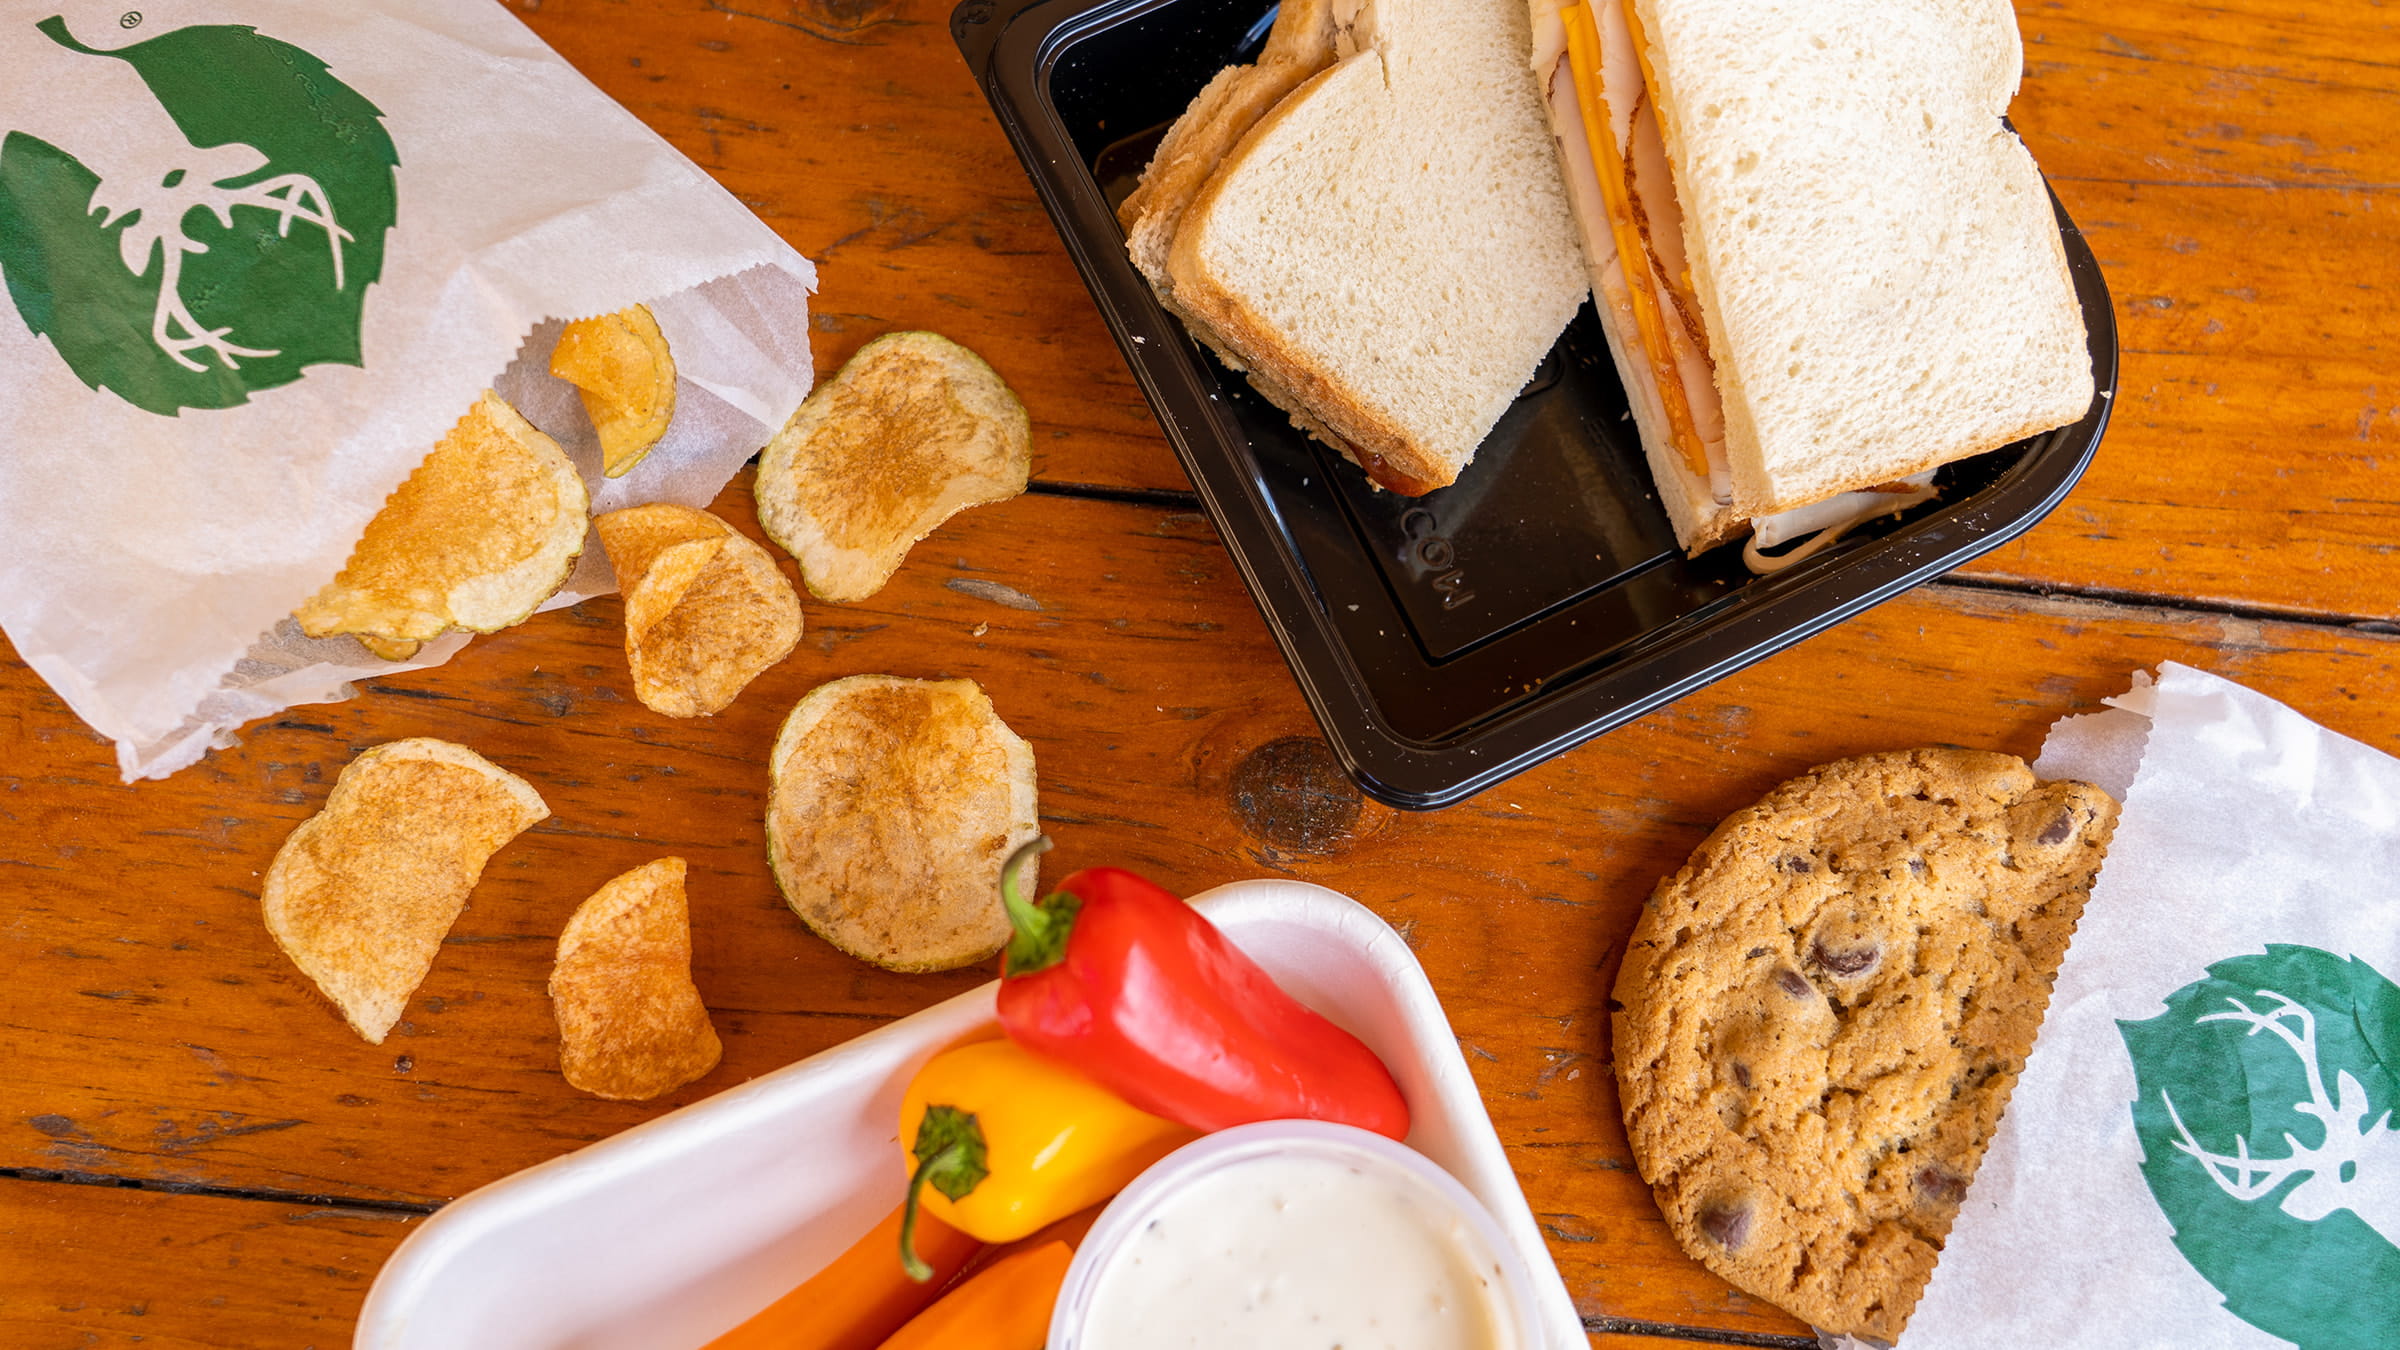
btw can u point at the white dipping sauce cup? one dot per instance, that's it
(1482, 1246)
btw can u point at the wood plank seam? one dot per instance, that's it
(2124, 599)
(1626, 1326)
(1164, 498)
(113, 1181)
(2251, 183)
(1592, 1325)
(2105, 595)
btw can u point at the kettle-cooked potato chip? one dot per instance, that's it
(620, 364)
(706, 609)
(485, 530)
(388, 649)
(894, 803)
(631, 1025)
(913, 430)
(636, 535)
(361, 894)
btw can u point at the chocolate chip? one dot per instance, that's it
(1916, 867)
(1755, 953)
(1794, 983)
(2057, 831)
(1728, 1224)
(1793, 862)
(1844, 961)
(1741, 1074)
(1940, 1185)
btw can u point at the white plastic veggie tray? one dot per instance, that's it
(678, 1229)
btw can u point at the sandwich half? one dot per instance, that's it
(1389, 251)
(1825, 265)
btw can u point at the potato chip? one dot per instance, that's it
(631, 1025)
(636, 535)
(894, 803)
(912, 431)
(706, 609)
(620, 364)
(485, 530)
(360, 896)
(389, 649)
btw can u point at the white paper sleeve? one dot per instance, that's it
(154, 555)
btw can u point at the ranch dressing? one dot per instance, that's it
(1296, 1252)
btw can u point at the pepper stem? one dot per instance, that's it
(910, 1262)
(950, 1154)
(1039, 939)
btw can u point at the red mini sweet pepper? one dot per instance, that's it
(1131, 987)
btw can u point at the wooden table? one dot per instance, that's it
(194, 1150)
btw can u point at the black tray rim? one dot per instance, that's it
(1010, 47)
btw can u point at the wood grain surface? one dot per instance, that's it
(195, 1152)
(83, 1266)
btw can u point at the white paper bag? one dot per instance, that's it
(2204, 1149)
(260, 255)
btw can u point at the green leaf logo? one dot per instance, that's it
(2269, 1116)
(219, 240)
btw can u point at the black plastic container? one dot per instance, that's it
(1448, 641)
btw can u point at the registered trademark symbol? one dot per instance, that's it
(131, 18)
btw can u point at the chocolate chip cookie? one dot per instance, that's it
(1821, 1017)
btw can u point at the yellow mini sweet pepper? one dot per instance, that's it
(1003, 1142)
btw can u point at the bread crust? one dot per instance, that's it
(1299, 45)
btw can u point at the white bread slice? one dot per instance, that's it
(1699, 520)
(1298, 46)
(1881, 273)
(1390, 246)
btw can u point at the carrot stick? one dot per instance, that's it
(1007, 1307)
(854, 1303)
